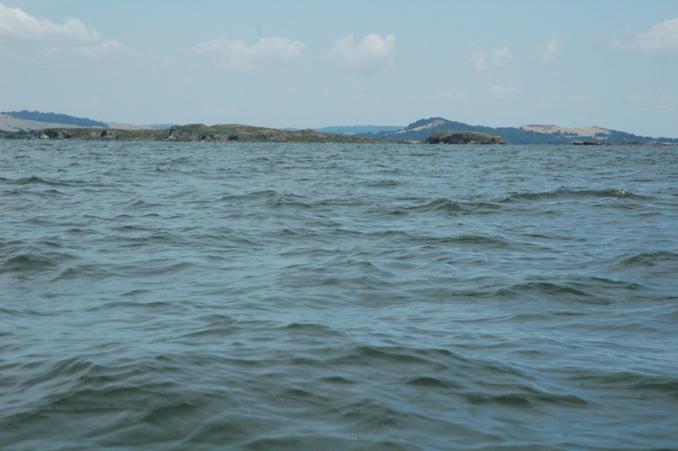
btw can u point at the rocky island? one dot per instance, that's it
(463, 138)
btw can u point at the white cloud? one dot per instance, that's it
(373, 49)
(237, 55)
(551, 49)
(21, 31)
(503, 91)
(496, 57)
(479, 59)
(662, 38)
(502, 53)
(16, 24)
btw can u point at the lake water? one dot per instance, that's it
(283, 296)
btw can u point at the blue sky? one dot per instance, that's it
(314, 63)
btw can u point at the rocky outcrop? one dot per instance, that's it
(463, 138)
(53, 133)
(109, 134)
(198, 132)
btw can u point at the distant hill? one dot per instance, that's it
(358, 129)
(55, 118)
(585, 132)
(527, 134)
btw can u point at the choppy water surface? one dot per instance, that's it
(158, 296)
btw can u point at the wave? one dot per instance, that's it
(483, 240)
(151, 237)
(254, 195)
(447, 205)
(565, 292)
(646, 259)
(23, 312)
(76, 384)
(385, 183)
(36, 180)
(271, 197)
(151, 268)
(585, 290)
(27, 262)
(23, 192)
(79, 271)
(276, 199)
(401, 388)
(660, 386)
(309, 329)
(619, 193)
(153, 306)
(315, 440)
(464, 239)
(529, 399)
(281, 199)
(430, 382)
(142, 204)
(440, 205)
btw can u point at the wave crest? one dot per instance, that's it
(562, 192)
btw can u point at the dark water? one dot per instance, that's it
(159, 296)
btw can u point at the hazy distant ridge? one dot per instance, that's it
(55, 118)
(358, 129)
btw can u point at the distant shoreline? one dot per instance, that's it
(280, 137)
(187, 133)
(435, 130)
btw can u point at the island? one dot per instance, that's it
(463, 138)
(188, 133)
